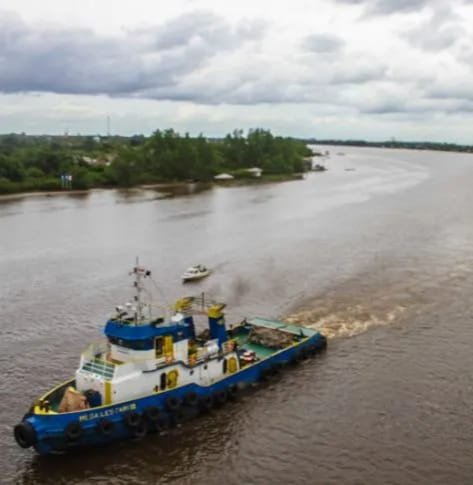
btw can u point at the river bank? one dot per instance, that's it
(167, 188)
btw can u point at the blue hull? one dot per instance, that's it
(51, 429)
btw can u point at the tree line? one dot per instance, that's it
(30, 163)
(410, 145)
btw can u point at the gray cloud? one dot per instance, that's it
(79, 61)
(201, 58)
(359, 73)
(387, 7)
(437, 33)
(171, 62)
(434, 40)
(323, 43)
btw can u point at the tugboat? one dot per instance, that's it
(150, 374)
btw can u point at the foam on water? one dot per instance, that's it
(345, 322)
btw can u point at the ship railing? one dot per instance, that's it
(93, 360)
(100, 367)
(202, 353)
(197, 305)
(96, 350)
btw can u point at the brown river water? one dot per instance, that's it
(378, 257)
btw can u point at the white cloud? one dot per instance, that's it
(211, 66)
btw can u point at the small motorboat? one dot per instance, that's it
(195, 273)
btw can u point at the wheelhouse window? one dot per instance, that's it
(131, 344)
(163, 381)
(159, 346)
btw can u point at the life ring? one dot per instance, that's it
(171, 378)
(105, 427)
(191, 398)
(73, 431)
(232, 365)
(232, 391)
(172, 403)
(25, 434)
(132, 419)
(152, 413)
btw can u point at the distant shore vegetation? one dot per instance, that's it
(50, 163)
(409, 145)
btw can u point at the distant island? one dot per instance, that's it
(54, 163)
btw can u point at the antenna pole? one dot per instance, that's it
(140, 273)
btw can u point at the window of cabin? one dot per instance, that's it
(163, 381)
(158, 347)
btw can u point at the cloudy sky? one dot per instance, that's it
(372, 69)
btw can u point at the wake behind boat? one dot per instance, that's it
(152, 373)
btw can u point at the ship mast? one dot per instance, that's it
(140, 273)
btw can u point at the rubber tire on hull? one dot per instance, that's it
(304, 353)
(264, 375)
(296, 358)
(191, 398)
(206, 403)
(176, 417)
(220, 397)
(25, 434)
(162, 424)
(323, 343)
(132, 419)
(105, 427)
(152, 414)
(73, 431)
(141, 430)
(172, 403)
(232, 392)
(311, 350)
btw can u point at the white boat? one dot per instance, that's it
(195, 273)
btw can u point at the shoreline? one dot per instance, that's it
(163, 185)
(46, 193)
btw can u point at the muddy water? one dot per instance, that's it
(379, 257)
